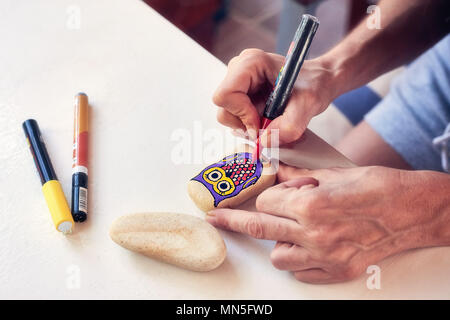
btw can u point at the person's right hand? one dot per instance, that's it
(242, 94)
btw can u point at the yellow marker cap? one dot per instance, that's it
(57, 204)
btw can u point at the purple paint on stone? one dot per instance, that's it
(239, 169)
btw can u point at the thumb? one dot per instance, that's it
(286, 128)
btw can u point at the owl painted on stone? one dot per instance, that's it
(227, 178)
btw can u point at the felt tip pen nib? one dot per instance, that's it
(256, 152)
(65, 227)
(265, 123)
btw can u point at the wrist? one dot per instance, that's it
(337, 79)
(431, 205)
(439, 200)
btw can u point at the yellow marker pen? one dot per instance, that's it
(53, 193)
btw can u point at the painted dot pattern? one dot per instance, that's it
(240, 170)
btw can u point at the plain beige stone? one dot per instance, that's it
(179, 239)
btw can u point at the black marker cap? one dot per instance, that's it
(38, 150)
(278, 99)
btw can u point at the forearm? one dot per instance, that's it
(408, 28)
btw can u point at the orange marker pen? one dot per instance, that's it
(80, 159)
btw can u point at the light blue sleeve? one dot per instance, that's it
(417, 108)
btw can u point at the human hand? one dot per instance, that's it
(331, 224)
(242, 95)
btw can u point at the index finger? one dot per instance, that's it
(232, 96)
(255, 224)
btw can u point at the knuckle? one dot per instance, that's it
(280, 229)
(251, 52)
(261, 202)
(342, 255)
(293, 130)
(306, 205)
(245, 117)
(222, 221)
(254, 227)
(318, 237)
(221, 117)
(292, 201)
(299, 276)
(254, 57)
(276, 259)
(219, 97)
(253, 117)
(350, 272)
(374, 170)
(233, 60)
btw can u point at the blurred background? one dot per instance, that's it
(226, 27)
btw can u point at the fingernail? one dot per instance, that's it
(307, 186)
(252, 134)
(302, 182)
(210, 214)
(264, 138)
(238, 133)
(210, 219)
(270, 138)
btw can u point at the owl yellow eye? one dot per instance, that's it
(224, 186)
(221, 184)
(215, 175)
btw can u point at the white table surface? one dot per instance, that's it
(145, 79)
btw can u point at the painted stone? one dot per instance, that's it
(230, 182)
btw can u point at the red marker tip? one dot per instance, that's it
(265, 123)
(257, 152)
(255, 155)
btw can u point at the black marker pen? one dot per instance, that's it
(277, 101)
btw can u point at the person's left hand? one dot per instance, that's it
(331, 224)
